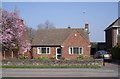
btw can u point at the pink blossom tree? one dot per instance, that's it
(13, 32)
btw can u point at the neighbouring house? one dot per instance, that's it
(65, 43)
(112, 33)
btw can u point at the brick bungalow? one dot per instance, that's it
(112, 32)
(61, 42)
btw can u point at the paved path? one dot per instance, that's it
(109, 70)
(111, 66)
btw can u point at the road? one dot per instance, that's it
(109, 70)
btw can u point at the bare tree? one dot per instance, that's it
(31, 33)
(46, 25)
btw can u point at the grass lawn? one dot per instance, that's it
(94, 67)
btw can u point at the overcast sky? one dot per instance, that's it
(63, 14)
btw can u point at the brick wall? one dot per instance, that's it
(34, 62)
(111, 38)
(114, 37)
(75, 41)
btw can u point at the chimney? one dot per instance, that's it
(69, 27)
(86, 28)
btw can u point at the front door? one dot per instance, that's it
(58, 53)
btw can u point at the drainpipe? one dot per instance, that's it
(12, 54)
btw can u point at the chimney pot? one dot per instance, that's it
(69, 27)
(86, 27)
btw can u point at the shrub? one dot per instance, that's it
(80, 57)
(86, 56)
(43, 57)
(26, 56)
(83, 57)
(116, 52)
(21, 56)
(53, 57)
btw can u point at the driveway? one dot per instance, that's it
(109, 70)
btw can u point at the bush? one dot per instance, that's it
(83, 57)
(43, 57)
(80, 57)
(116, 52)
(26, 56)
(86, 56)
(53, 57)
(21, 56)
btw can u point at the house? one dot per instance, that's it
(112, 33)
(65, 43)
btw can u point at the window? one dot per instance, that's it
(75, 50)
(118, 36)
(43, 50)
(118, 31)
(59, 51)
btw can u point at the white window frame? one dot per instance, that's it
(72, 53)
(117, 34)
(118, 31)
(39, 51)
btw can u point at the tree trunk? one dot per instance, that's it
(23, 55)
(4, 55)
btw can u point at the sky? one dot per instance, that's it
(98, 15)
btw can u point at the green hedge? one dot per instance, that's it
(94, 67)
(116, 52)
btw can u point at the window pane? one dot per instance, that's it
(76, 50)
(38, 51)
(80, 50)
(43, 50)
(70, 50)
(119, 31)
(47, 50)
(118, 36)
(59, 50)
(58, 56)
